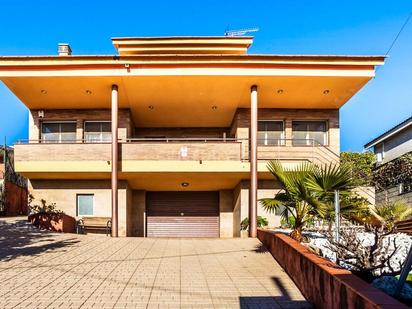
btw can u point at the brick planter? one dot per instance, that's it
(323, 283)
(56, 222)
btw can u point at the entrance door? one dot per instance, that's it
(182, 214)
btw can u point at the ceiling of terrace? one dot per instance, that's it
(184, 101)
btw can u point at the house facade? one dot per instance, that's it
(170, 137)
(392, 173)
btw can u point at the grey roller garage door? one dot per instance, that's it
(182, 214)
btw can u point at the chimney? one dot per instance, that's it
(64, 49)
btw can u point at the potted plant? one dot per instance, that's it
(47, 216)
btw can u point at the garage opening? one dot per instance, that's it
(182, 214)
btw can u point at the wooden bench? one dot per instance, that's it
(94, 223)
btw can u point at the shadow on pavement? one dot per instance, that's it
(18, 238)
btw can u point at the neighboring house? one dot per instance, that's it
(13, 187)
(171, 136)
(393, 143)
(393, 170)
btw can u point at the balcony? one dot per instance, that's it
(161, 154)
(32, 157)
(295, 150)
(176, 149)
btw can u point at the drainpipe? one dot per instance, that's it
(253, 162)
(115, 160)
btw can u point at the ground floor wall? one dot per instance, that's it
(266, 189)
(64, 194)
(233, 203)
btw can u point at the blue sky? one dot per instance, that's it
(286, 27)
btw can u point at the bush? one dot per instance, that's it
(43, 207)
(289, 223)
(261, 222)
(361, 165)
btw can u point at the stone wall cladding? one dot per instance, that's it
(322, 282)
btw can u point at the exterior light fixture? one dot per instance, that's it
(151, 107)
(185, 184)
(43, 91)
(326, 91)
(88, 92)
(280, 91)
(214, 107)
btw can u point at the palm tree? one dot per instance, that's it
(295, 198)
(308, 191)
(329, 178)
(390, 212)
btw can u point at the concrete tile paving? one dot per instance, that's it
(40, 269)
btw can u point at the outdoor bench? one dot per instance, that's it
(94, 223)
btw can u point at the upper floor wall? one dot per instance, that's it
(77, 119)
(292, 134)
(286, 134)
(394, 146)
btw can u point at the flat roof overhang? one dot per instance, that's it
(186, 87)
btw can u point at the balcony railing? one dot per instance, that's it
(198, 148)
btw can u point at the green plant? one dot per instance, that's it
(295, 197)
(43, 207)
(288, 222)
(390, 212)
(307, 192)
(393, 173)
(260, 221)
(360, 165)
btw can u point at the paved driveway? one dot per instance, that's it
(47, 270)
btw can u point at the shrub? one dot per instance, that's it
(261, 222)
(367, 255)
(361, 165)
(43, 207)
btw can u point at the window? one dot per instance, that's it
(270, 133)
(58, 132)
(95, 131)
(85, 204)
(309, 132)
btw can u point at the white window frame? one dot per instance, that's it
(60, 136)
(101, 137)
(308, 140)
(282, 136)
(77, 204)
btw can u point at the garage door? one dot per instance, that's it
(182, 214)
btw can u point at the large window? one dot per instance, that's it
(58, 132)
(270, 133)
(95, 131)
(309, 132)
(85, 204)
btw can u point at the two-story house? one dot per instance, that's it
(170, 137)
(393, 151)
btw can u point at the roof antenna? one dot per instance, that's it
(240, 32)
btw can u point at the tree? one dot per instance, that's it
(308, 191)
(390, 212)
(295, 199)
(361, 166)
(367, 260)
